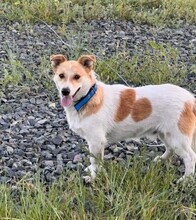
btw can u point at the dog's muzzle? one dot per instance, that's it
(65, 91)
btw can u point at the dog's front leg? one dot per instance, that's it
(96, 148)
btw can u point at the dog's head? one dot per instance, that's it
(73, 79)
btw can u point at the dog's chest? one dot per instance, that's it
(75, 123)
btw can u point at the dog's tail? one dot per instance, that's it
(193, 144)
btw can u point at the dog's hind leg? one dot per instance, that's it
(182, 147)
(189, 158)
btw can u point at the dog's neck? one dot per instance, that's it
(86, 98)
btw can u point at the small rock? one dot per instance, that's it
(10, 150)
(4, 179)
(181, 168)
(108, 156)
(32, 100)
(70, 165)
(2, 122)
(59, 159)
(70, 155)
(26, 162)
(57, 140)
(78, 158)
(49, 163)
(50, 177)
(19, 152)
(42, 122)
(24, 131)
(20, 173)
(10, 162)
(51, 147)
(31, 122)
(17, 165)
(39, 101)
(122, 155)
(59, 169)
(130, 147)
(151, 154)
(47, 155)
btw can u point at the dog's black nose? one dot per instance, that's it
(65, 91)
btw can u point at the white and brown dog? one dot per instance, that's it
(103, 113)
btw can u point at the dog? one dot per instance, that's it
(103, 114)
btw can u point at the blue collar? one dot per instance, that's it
(86, 98)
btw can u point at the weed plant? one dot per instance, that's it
(120, 192)
(159, 12)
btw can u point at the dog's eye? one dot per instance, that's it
(61, 75)
(76, 77)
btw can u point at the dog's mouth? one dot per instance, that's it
(66, 101)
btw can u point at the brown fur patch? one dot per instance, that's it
(141, 109)
(187, 120)
(94, 103)
(127, 99)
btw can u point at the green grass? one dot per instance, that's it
(159, 64)
(153, 12)
(120, 192)
(128, 191)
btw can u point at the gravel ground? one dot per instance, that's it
(34, 134)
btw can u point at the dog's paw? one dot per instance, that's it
(157, 159)
(92, 174)
(186, 179)
(88, 179)
(88, 169)
(91, 169)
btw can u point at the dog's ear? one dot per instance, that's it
(87, 61)
(56, 60)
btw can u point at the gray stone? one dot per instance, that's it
(26, 162)
(2, 122)
(31, 122)
(40, 140)
(151, 154)
(181, 168)
(108, 156)
(59, 159)
(10, 150)
(46, 154)
(43, 121)
(57, 140)
(70, 155)
(59, 169)
(78, 158)
(49, 163)
(24, 131)
(71, 165)
(51, 147)
(130, 147)
(4, 179)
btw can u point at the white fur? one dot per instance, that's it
(100, 128)
(167, 104)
